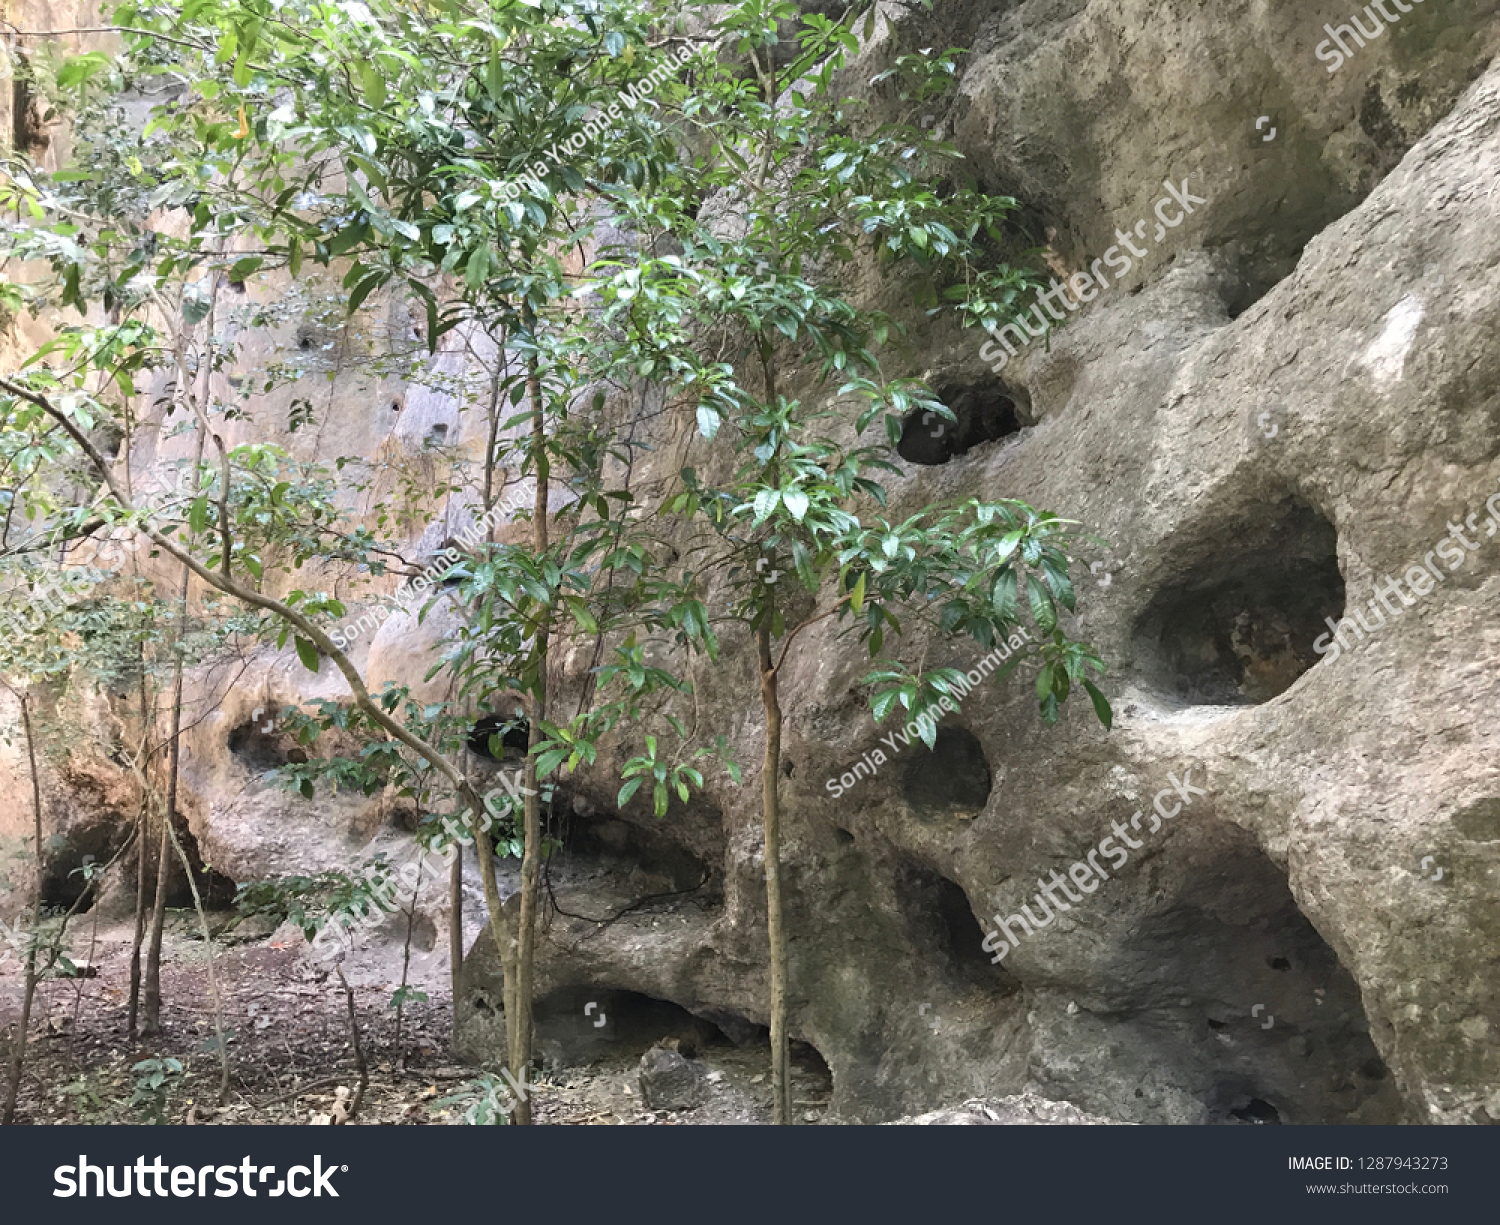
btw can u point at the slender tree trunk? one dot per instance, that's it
(174, 757)
(456, 868)
(142, 841)
(18, 1050)
(411, 919)
(456, 924)
(519, 1024)
(142, 837)
(208, 950)
(771, 816)
(151, 997)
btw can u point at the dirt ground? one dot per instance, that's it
(288, 1038)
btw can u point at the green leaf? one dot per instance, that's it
(581, 614)
(628, 790)
(765, 504)
(373, 82)
(308, 654)
(1101, 706)
(708, 422)
(1044, 681)
(857, 597)
(1041, 605)
(795, 502)
(198, 514)
(1062, 586)
(1004, 596)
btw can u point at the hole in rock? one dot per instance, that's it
(65, 856)
(604, 862)
(216, 889)
(1256, 1111)
(945, 931)
(984, 412)
(495, 735)
(583, 1024)
(437, 435)
(951, 777)
(259, 747)
(1295, 1037)
(1238, 622)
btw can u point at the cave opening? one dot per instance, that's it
(1240, 620)
(983, 412)
(946, 932)
(259, 746)
(1238, 1002)
(493, 737)
(589, 1024)
(952, 777)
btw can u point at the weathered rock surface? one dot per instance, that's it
(1283, 949)
(670, 1082)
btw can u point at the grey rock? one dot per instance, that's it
(670, 1082)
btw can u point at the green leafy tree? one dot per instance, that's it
(808, 183)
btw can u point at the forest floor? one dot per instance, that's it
(288, 1036)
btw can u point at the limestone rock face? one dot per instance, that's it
(1291, 398)
(1309, 935)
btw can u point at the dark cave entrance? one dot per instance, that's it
(946, 932)
(1235, 999)
(984, 412)
(951, 777)
(581, 1025)
(495, 738)
(259, 746)
(1237, 626)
